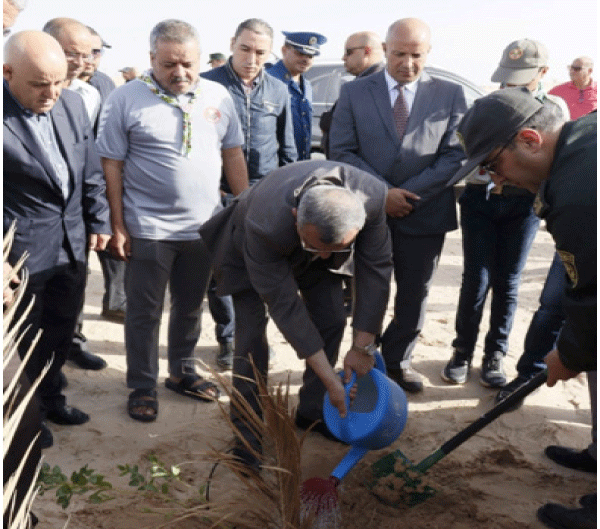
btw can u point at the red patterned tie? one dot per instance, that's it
(400, 113)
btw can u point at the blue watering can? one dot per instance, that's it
(374, 420)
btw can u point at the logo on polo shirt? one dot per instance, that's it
(212, 115)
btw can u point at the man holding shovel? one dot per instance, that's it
(519, 142)
(275, 247)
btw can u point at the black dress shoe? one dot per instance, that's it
(559, 517)
(320, 427)
(571, 458)
(67, 415)
(116, 315)
(225, 356)
(46, 438)
(407, 378)
(85, 360)
(246, 457)
(589, 500)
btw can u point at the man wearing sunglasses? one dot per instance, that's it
(581, 94)
(530, 148)
(277, 247)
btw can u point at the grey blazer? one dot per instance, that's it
(363, 134)
(255, 245)
(32, 193)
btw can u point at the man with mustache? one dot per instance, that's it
(165, 139)
(298, 54)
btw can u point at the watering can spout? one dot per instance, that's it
(350, 459)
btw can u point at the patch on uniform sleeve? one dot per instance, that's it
(212, 115)
(568, 260)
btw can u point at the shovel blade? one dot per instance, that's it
(395, 479)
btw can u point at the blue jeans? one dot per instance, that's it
(546, 322)
(497, 234)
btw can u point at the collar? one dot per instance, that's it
(392, 83)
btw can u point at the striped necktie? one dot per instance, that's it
(400, 113)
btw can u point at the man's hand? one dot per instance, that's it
(98, 241)
(397, 204)
(120, 243)
(361, 363)
(8, 293)
(556, 369)
(332, 382)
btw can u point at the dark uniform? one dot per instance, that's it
(567, 201)
(300, 93)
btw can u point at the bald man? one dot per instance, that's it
(581, 94)
(363, 55)
(76, 41)
(400, 125)
(55, 192)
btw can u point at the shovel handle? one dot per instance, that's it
(503, 406)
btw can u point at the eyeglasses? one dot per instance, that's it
(575, 68)
(6, 32)
(98, 52)
(490, 167)
(347, 250)
(74, 56)
(350, 50)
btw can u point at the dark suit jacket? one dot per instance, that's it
(32, 193)
(255, 244)
(363, 134)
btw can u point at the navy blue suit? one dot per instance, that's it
(52, 229)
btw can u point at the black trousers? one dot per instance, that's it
(322, 292)
(57, 295)
(415, 261)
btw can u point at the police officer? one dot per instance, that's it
(519, 142)
(298, 53)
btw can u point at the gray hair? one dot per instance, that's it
(55, 26)
(547, 118)
(257, 26)
(172, 31)
(333, 210)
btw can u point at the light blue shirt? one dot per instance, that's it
(43, 130)
(409, 90)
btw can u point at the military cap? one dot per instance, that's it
(216, 57)
(521, 61)
(305, 41)
(493, 120)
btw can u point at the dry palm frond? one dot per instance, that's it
(16, 516)
(269, 499)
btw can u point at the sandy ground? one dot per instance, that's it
(497, 479)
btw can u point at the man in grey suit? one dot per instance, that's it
(399, 125)
(54, 190)
(278, 244)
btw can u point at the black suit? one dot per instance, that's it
(51, 228)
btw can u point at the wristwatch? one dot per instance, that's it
(367, 349)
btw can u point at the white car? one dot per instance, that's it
(328, 77)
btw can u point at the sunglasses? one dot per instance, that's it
(349, 51)
(348, 249)
(97, 52)
(575, 68)
(490, 167)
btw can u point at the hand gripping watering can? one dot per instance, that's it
(375, 419)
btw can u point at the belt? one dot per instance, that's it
(502, 190)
